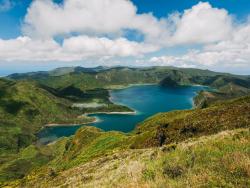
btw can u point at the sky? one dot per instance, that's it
(45, 34)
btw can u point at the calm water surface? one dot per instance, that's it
(147, 100)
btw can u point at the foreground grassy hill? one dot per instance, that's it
(220, 160)
(166, 128)
(177, 149)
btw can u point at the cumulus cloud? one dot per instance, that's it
(72, 49)
(233, 52)
(171, 61)
(24, 48)
(104, 46)
(96, 29)
(202, 24)
(47, 19)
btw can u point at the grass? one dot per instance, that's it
(170, 130)
(220, 160)
(212, 162)
(87, 144)
(166, 128)
(26, 160)
(180, 146)
(25, 108)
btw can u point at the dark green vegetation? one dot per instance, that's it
(169, 131)
(27, 105)
(227, 85)
(29, 101)
(96, 78)
(24, 108)
(176, 126)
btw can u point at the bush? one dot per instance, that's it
(173, 171)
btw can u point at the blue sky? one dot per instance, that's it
(160, 8)
(159, 33)
(11, 20)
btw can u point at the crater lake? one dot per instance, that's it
(146, 100)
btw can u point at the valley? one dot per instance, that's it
(30, 101)
(124, 94)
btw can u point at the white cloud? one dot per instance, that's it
(46, 18)
(224, 43)
(230, 53)
(72, 49)
(171, 61)
(202, 24)
(105, 46)
(24, 48)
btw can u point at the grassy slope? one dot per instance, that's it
(221, 160)
(165, 128)
(25, 108)
(169, 129)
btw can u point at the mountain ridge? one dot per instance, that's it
(112, 77)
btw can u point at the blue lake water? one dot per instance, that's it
(147, 100)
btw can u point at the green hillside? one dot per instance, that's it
(166, 128)
(30, 101)
(220, 160)
(165, 138)
(25, 107)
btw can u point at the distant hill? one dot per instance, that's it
(226, 85)
(57, 72)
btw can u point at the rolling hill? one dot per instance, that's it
(29, 101)
(205, 147)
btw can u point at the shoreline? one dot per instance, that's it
(69, 124)
(118, 87)
(115, 113)
(122, 113)
(96, 120)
